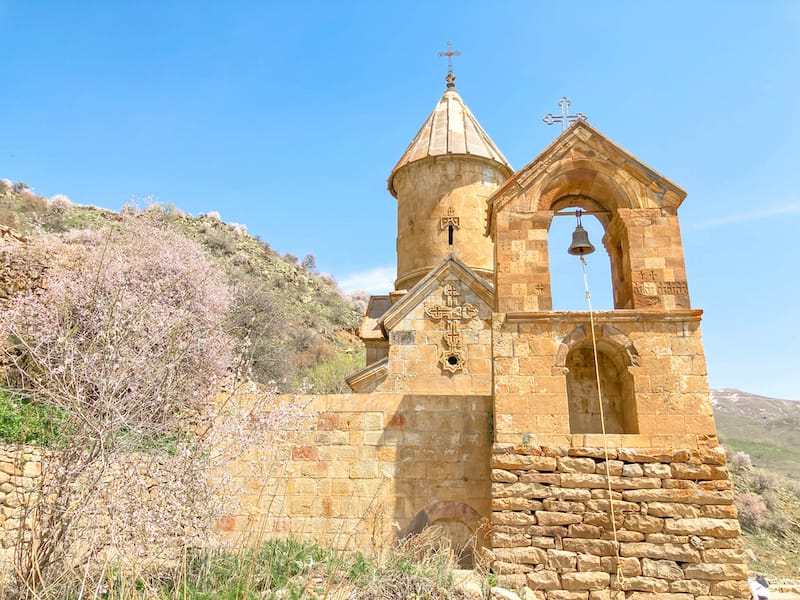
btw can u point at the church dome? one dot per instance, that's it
(451, 129)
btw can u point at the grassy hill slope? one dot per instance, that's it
(300, 326)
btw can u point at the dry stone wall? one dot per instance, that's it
(678, 536)
(20, 468)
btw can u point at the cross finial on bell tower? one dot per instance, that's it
(451, 78)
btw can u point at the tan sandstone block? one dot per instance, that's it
(592, 580)
(716, 571)
(720, 528)
(543, 580)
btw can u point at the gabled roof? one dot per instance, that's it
(582, 142)
(451, 129)
(451, 267)
(368, 378)
(370, 330)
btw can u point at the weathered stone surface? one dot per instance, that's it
(689, 586)
(614, 467)
(659, 470)
(735, 589)
(680, 553)
(645, 584)
(576, 465)
(583, 480)
(555, 505)
(503, 476)
(521, 490)
(715, 571)
(689, 496)
(504, 540)
(662, 569)
(557, 518)
(567, 595)
(597, 547)
(508, 568)
(529, 555)
(592, 580)
(589, 562)
(581, 530)
(661, 596)
(499, 593)
(720, 528)
(672, 509)
(513, 461)
(726, 555)
(620, 506)
(715, 511)
(632, 470)
(561, 561)
(512, 518)
(644, 455)
(516, 503)
(640, 522)
(691, 471)
(543, 580)
(543, 542)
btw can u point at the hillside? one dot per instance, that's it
(763, 438)
(299, 325)
(765, 428)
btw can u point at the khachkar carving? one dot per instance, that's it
(452, 355)
(451, 220)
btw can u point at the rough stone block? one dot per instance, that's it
(680, 553)
(645, 584)
(672, 509)
(543, 580)
(591, 580)
(530, 556)
(642, 523)
(561, 561)
(662, 569)
(720, 528)
(597, 547)
(556, 518)
(715, 571)
(512, 518)
(576, 465)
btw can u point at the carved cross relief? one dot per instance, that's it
(452, 355)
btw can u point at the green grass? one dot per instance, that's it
(23, 421)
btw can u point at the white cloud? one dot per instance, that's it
(379, 280)
(774, 211)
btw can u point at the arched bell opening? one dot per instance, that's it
(566, 278)
(616, 390)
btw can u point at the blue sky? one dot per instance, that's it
(288, 117)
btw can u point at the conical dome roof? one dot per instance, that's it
(450, 129)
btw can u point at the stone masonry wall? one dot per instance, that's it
(678, 534)
(370, 464)
(20, 467)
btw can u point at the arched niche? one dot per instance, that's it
(616, 356)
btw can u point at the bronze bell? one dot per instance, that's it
(580, 242)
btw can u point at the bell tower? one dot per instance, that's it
(442, 184)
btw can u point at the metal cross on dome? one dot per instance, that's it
(451, 78)
(565, 118)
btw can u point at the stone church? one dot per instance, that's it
(573, 453)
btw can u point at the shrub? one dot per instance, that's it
(752, 510)
(740, 463)
(123, 341)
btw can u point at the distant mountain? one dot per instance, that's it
(767, 429)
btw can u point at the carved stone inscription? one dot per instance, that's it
(452, 356)
(660, 288)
